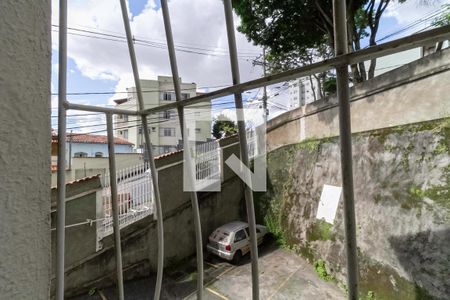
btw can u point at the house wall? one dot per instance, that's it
(81, 205)
(91, 149)
(416, 92)
(25, 149)
(90, 166)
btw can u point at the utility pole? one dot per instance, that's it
(70, 150)
(256, 62)
(266, 111)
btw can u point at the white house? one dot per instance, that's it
(90, 145)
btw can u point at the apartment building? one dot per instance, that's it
(165, 132)
(302, 91)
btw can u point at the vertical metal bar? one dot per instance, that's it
(187, 150)
(115, 208)
(61, 176)
(148, 145)
(243, 146)
(345, 135)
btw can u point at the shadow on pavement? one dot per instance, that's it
(179, 282)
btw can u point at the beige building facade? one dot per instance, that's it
(165, 132)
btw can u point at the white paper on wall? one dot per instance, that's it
(328, 204)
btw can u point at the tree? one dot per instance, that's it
(294, 30)
(444, 18)
(223, 127)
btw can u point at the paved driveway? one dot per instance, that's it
(283, 275)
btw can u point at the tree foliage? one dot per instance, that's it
(294, 32)
(223, 127)
(444, 18)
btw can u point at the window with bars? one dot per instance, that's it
(166, 131)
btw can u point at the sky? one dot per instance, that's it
(100, 64)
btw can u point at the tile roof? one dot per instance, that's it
(120, 101)
(83, 179)
(91, 139)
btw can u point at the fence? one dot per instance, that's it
(134, 194)
(135, 191)
(208, 164)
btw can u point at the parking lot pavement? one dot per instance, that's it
(283, 275)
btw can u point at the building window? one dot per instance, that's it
(98, 154)
(198, 130)
(125, 134)
(80, 154)
(166, 149)
(168, 96)
(184, 96)
(140, 129)
(166, 131)
(120, 117)
(165, 115)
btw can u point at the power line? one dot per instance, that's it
(143, 91)
(143, 42)
(159, 118)
(196, 106)
(413, 24)
(118, 35)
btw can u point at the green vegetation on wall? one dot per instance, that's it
(288, 208)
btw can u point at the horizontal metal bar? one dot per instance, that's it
(100, 109)
(403, 44)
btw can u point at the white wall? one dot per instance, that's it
(25, 149)
(92, 148)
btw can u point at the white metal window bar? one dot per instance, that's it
(340, 62)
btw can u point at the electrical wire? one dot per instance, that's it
(118, 35)
(144, 91)
(147, 43)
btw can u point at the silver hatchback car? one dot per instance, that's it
(232, 241)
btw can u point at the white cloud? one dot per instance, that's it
(413, 10)
(196, 23)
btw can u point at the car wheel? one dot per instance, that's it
(237, 257)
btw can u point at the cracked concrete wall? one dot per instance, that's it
(24, 149)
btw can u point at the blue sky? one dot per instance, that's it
(103, 66)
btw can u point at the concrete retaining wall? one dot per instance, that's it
(86, 268)
(402, 198)
(415, 92)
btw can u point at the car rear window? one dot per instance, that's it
(220, 235)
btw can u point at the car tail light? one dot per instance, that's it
(228, 247)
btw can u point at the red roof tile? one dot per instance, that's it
(91, 139)
(95, 139)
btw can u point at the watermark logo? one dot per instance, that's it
(207, 162)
